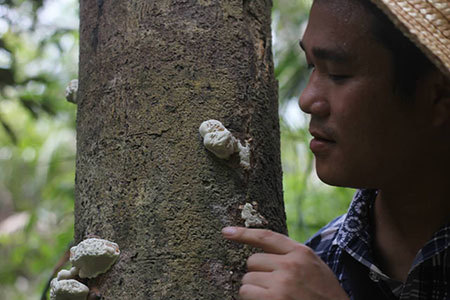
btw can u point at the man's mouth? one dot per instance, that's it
(323, 140)
(321, 143)
(321, 136)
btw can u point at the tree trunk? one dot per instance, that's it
(150, 73)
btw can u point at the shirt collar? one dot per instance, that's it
(356, 226)
(355, 233)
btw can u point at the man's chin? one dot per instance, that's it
(338, 180)
(332, 181)
(331, 177)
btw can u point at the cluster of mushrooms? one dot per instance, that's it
(89, 259)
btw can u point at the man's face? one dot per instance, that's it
(365, 136)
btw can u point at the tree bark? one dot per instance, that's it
(150, 73)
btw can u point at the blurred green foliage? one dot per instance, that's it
(38, 57)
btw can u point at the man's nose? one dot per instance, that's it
(313, 99)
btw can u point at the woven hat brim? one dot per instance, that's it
(426, 23)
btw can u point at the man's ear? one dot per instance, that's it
(441, 111)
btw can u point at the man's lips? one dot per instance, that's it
(322, 136)
(322, 141)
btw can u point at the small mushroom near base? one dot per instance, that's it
(67, 289)
(67, 274)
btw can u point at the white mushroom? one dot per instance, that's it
(67, 289)
(251, 216)
(222, 143)
(210, 126)
(244, 154)
(71, 91)
(94, 256)
(67, 274)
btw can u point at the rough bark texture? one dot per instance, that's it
(150, 73)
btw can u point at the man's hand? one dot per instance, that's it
(286, 271)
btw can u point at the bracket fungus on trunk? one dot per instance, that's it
(68, 274)
(93, 257)
(68, 289)
(89, 258)
(222, 143)
(251, 216)
(72, 90)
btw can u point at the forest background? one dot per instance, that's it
(38, 58)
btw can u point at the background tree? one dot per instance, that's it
(37, 172)
(38, 50)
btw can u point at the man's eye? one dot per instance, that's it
(338, 77)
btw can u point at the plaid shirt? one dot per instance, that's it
(345, 245)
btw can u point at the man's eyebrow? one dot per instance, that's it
(332, 54)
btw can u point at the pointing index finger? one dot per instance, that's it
(267, 240)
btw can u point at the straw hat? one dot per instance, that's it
(426, 23)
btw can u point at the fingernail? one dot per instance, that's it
(229, 231)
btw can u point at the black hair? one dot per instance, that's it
(410, 63)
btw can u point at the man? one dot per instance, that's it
(380, 121)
